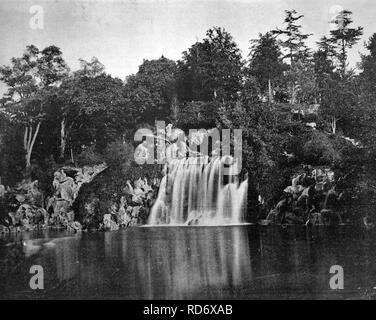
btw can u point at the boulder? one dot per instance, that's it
(4, 229)
(2, 191)
(122, 213)
(313, 189)
(108, 223)
(67, 188)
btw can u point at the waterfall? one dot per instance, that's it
(195, 191)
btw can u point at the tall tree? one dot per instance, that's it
(70, 96)
(152, 90)
(343, 37)
(368, 67)
(326, 46)
(323, 70)
(301, 82)
(339, 101)
(93, 111)
(211, 69)
(30, 80)
(266, 63)
(367, 111)
(293, 40)
(323, 65)
(90, 69)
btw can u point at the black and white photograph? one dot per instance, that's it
(188, 154)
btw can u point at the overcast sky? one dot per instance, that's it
(123, 33)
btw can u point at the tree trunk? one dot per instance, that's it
(63, 138)
(29, 141)
(174, 107)
(291, 59)
(293, 94)
(27, 136)
(333, 124)
(270, 91)
(343, 58)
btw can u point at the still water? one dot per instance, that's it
(231, 262)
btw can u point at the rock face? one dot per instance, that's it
(99, 207)
(312, 198)
(24, 207)
(66, 190)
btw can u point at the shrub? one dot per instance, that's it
(89, 157)
(319, 150)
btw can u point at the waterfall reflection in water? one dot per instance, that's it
(143, 263)
(197, 262)
(159, 264)
(236, 262)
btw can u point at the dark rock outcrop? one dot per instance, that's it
(25, 207)
(312, 199)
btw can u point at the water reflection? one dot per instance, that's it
(189, 263)
(169, 263)
(196, 262)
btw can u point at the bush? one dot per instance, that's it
(89, 157)
(119, 156)
(197, 115)
(319, 150)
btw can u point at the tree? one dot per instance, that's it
(211, 69)
(152, 90)
(93, 111)
(293, 40)
(339, 101)
(337, 89)
(325, 45)
(266, 63)
(250, 94)
(11, 154)
(30, 80)
(368, 68)
(323, 66)
(197, 114)
(367, 112)
(343, 37)
(301, 83)
(90, 69)
(70, 95)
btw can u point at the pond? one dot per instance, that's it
(229, 262)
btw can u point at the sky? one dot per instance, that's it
(123, 33)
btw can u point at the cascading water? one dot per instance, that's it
(195, 191)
